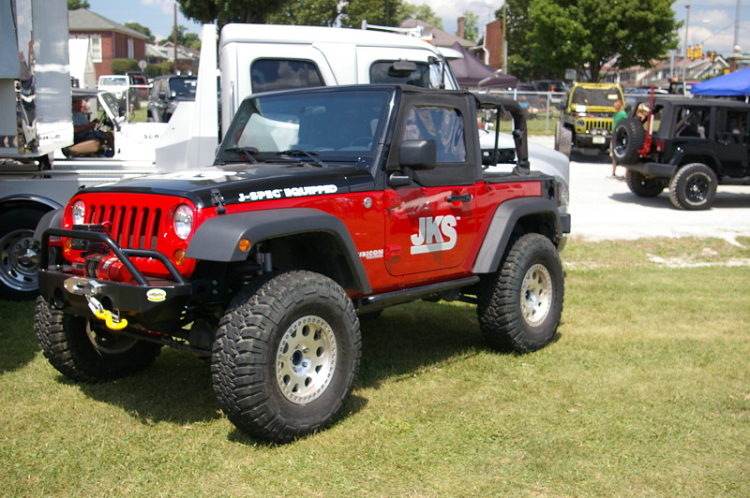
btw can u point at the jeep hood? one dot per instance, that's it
(246, 183)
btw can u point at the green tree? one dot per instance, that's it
(78, 4)
(226, 11)
(471, 26)
(588, 34)
(307, 13)
(422, 12)
(141, 29)
(381, 12)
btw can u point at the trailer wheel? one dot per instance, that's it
(19, 253)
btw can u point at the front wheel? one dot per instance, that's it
(285, 355)
(85, 350)
(693, 187)
(563, 139)
(520, 305)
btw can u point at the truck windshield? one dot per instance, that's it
(333, 125)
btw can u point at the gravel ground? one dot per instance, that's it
(602, 208)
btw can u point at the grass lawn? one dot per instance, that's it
(645, 392)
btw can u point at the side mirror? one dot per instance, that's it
(418, 154)
(401, 69)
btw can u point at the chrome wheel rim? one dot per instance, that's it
(306, 359)
(19, 260)
(536, 295)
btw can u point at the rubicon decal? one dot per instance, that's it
(435, 234)
(284, 193)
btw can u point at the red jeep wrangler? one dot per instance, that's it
(323, 204)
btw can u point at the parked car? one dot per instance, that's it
(119, 85)
(166, 92)
(586, 121)
(689, 145)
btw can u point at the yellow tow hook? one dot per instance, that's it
(111, 320)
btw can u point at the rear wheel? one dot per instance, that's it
(628, 139)
(643, 186)
(85, 350)
(693, 187)
(285, 355)
(19, 253)
(520, 305)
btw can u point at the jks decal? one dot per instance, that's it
(435, 234)
(285, 193)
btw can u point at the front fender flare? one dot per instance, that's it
(503, 223)
(218, 238)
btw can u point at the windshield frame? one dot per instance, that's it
(319, 126)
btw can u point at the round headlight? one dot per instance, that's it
(183, 221)
(79, 213)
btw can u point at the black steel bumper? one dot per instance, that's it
(653, 169)
(155, 304)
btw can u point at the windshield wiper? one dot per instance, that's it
(304, 153)
(248, 152)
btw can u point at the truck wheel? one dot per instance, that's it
(642, 186)
(693, 187)
(86, 351)
(628, 139)
(563, 139)
(285, 355)
(521, 303)
(19, 253)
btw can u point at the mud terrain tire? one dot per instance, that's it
(563, 139)
(642, 186)
(520, 305)
(285, 355)
(628, 139)
(693, 187)
(86, 352)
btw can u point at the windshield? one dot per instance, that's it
(600, 97)
(183, 88)
(309, 127)
(113, 81)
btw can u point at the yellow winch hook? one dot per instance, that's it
(109, 320)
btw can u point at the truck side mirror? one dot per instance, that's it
(418, 154)
(401, 69)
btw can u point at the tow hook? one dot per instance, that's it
(111, 319)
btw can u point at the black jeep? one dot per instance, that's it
(690, 145)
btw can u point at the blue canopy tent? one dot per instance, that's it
(736, 84)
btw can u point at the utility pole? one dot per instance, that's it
(174, 37)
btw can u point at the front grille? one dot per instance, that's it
(131, 227)
(598, 124)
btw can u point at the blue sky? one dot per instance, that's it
(711, 21)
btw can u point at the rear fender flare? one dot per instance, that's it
(504, 222)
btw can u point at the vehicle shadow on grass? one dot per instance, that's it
(18, 345)
(409, 339)
(723, 200)
(176, 388)
(404, 341)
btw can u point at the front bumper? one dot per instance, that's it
(155, 304)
